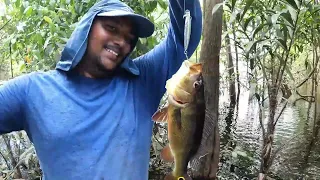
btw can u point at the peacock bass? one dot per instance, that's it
(184, 112)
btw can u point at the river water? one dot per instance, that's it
(299, 157)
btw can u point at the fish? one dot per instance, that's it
(185, 113)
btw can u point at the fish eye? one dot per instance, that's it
(197, 84)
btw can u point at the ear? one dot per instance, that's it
(161, 115)
(196, 68)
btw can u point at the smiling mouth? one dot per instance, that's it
(112, 52)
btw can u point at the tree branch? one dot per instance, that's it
(4, 158)
(261, 122)
(309, 75)
(5, 24)
(285, 105)
(281, 71)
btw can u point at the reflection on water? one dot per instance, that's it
(241, 143)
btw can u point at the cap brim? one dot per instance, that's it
(144, 26)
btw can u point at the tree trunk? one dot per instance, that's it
(232, 84)
(204, 164)
(269, 136)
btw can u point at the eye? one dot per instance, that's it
(110, 27)
(197, 84)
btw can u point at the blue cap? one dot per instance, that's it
(144, 26)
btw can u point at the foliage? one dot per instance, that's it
(278, 42)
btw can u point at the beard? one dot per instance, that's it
(93, 65)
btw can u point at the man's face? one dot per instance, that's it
(109, 42)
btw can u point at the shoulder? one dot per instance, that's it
(25, 81)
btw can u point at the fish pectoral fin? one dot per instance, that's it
(161, 115)
(166, 154)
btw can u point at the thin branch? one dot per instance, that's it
(285, 105)
(279, 75)
(5, 24)
(261, 122)
(304, 96)
(309, 75)
(312, 100)
(237, 69)
(4, 158)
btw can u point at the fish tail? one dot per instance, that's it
(171, 177)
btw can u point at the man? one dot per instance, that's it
(90, 118)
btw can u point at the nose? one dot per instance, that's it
(119, 40)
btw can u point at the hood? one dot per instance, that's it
(77, 44)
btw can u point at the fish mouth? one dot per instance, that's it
(176, 102)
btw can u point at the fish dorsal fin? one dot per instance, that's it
(161, 115)
(166, 154)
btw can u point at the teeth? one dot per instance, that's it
(109, 50)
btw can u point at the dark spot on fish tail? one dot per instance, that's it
(181, 178)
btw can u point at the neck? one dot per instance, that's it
(91, 70)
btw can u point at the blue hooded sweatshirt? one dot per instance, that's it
(86, 128)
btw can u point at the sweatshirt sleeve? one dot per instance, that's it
(164, 60)
(12, 97)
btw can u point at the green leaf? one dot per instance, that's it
(251, 63)
(248, 4)
(259, 28)
(22, 67)
(287, 70)
(246, 22)
(153, 6)
(233, 2)
(7, 2)
(287, 17)
(291, 3)
(17, 3)
(282, 43)
(63, 10)
(163, 4)
(288, 29)
(258, 98)
(293, 13)
(47, 42)
(28, 11)
(285, 33)
(250, 45)
(274, 18)
(47, 19)
(234, 16)
(216, 7)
